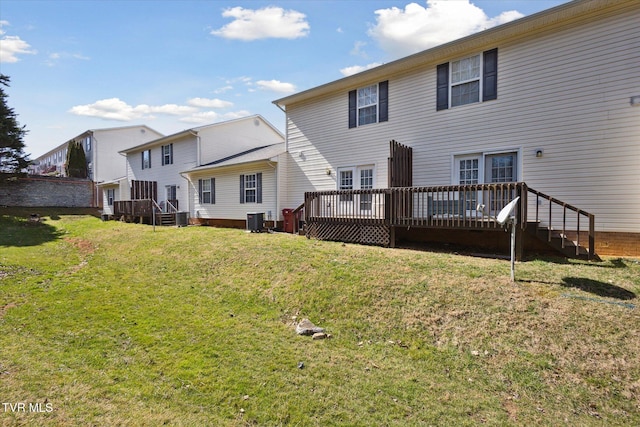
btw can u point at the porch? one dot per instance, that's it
(373, 216)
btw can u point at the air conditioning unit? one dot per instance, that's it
(255, 221)
(182, 219)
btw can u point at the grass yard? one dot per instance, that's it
(108, 323)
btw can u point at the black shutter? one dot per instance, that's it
(353, 109)
(490, 75)
(171, 153)
(241, 188)
(383, 101)
(259, 187)
(142, 164)
(442, 87)
(213, 191)
(162, 154)
(200, 191)
(149, 158)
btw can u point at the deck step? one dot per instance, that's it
(166, 219)
(569, 248)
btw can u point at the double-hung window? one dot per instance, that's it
(111, 195)
(146, 159)
(207, 190)
(369, 104)
(251, 188)
(167, 154)
(467, 80)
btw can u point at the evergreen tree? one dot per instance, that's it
(12, 156)
(76, 161)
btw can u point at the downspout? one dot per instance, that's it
(189, 198)
(276, 214)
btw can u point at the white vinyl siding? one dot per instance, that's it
(564, 91)
(184, 154)
(227, 204)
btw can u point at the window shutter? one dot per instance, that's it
(383, 101)
(241, 188)
(142, 157)
(149, 158)
(171, 152)
(213, 191)
(490, 75)
(200, 191)
(162, 154)
(259, 187)
(442, 87)
(353, 109)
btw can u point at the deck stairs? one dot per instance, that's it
(558, 241)
(166, 219)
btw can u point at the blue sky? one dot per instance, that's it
(172, 65)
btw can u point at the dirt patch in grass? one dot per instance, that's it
(85, 247)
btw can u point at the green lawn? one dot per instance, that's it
(108, 323)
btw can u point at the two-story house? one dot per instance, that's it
(551, 100)
(216, 173)
(101, 148)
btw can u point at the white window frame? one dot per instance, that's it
(111, 196)
(483, 161)
(364, 101)
(251, 192)
(356, 203)
(465, 81)
(146, 161)
(167, 154)
(206, 191)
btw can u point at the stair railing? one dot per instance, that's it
(298, 215)
(566, 209)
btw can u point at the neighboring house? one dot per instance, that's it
(224, 191)
(551, 100)
(169, 169)
(101, 148)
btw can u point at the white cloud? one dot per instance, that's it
(12, 46)
(276, 86)
(55, 57)
(116, 109)
(268, 22)
(354, 69)
(223, 89)
(405, 31)
(213, 117)
(358, 49)
(209, 103)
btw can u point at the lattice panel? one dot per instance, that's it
(351, 233)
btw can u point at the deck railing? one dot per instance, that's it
(454, 206)
(564, 221)
(133, 208)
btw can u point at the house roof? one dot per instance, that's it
(111, 182)
(194, 131)
(528, 26)
(88, 131)
(266, 152)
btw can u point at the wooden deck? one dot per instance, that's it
(371, 216)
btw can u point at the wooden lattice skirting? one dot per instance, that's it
(378, 235)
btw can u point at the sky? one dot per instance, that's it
(172, 65)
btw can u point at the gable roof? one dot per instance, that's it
(546, 20)
(194, 132)
(266, 152)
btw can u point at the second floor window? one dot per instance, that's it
(146, 159)
(369, 104)
(467, 80)
(167, 154)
